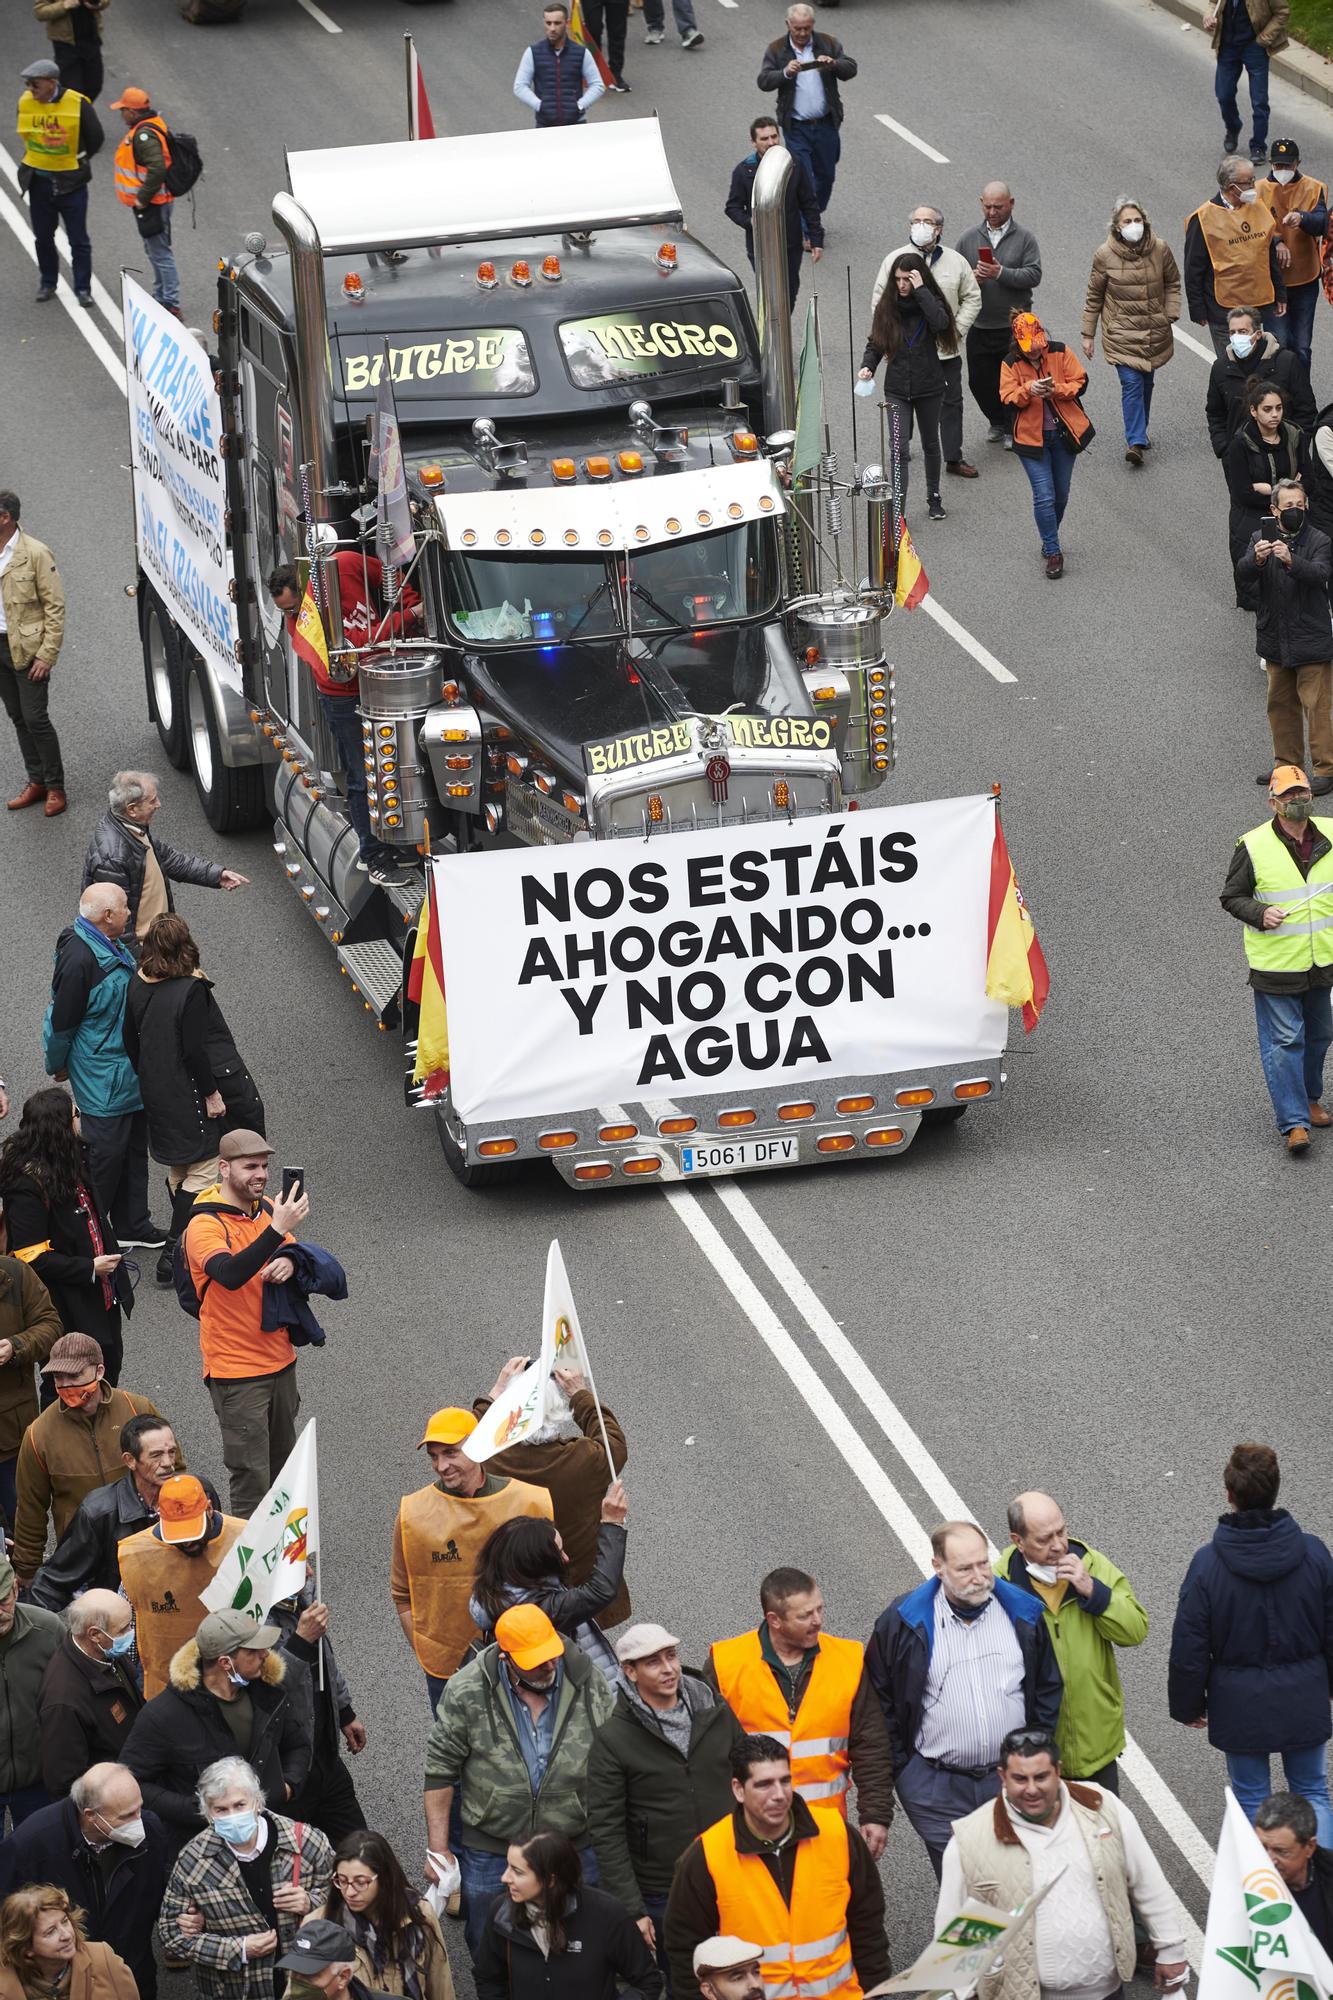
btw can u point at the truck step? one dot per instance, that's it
(376, 972)
(405, 897)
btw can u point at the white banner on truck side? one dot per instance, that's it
(771, 954)
(179, 501)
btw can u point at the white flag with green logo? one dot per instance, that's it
(965, 1948)
(267, 1561)
(1258, 1945)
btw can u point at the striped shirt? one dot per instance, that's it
(974, 1687)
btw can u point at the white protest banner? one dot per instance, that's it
(1257, 1945)
(518, 1411)
(267, 1561)
(965, 1948)
(179, 498)
(700, 962)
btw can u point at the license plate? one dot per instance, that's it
(729, 1156)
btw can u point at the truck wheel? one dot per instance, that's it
(163, 682)
(943, 1114)
(494, 1174)
(232, 796)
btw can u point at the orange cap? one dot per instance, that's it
(1028, 331)
(132, 99)
(1288, 778)
(449, 1426)
(527, 1635)
(182, 1509)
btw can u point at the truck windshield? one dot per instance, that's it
(708, 579)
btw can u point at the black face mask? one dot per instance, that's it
(1292, 520)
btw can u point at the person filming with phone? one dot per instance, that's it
(1288, 560)
(1006, 264)
(1041, 381)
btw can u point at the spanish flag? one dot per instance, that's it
(910, 582)
(425, 986)
(308, 641)
(578, 32)
(1016, 970)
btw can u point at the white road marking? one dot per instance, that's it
(948, 623)
(106, 304)
(728, 3)
(940, 159)
(81, 317)
(318, 14)
(1146, 1780)
(1204, 351)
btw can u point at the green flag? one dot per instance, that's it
(809, 401)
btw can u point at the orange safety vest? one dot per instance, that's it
(129, 174)
(802, 1957)
(442, 1535)
(1237, 241)
(819, 1736)
(1304, 193)
(164, 1589)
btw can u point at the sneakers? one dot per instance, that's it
(692, 39)
(653, 37)
(153, 1238)
(935, 508)
(382, 872)
(619, 86)
(996, 434)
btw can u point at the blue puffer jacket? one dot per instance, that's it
(84, 1028)
(1252, 1645)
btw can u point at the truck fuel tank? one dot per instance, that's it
(397, 692)
(844, 640)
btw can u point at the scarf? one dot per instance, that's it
(411, 1946)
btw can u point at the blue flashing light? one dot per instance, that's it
(543, 624)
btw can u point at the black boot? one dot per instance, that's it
(181, 1206)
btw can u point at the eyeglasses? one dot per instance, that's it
(346, 1882)
(1028, 1743)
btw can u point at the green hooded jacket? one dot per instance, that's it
(1085, 1633)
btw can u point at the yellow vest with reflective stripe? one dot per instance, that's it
(50, 132)
(1305, 937)
(806, 1954)
(818, 1738)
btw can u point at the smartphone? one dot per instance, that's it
(292, 1177)
(1268, 528)
(985, 255)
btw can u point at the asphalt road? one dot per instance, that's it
(1097, 1285)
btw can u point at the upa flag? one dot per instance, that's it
(395, 540)
(420, 124)
(1016, 970)
(963, 1951)
(910, 582)
(560, 1317)
(1258, 1945)
(809, 398)
(425, 987)
(518, 1411)
(267, 1561)
(578, 32)
(308, 641)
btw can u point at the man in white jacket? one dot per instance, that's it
(1081, 1943)
(953, 274)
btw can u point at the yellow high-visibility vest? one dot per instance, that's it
(1305, 938)
(50, 132)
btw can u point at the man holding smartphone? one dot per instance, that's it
(1006, 262)
(805, 69)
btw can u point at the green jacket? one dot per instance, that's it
(1085, 1634)
(474, 1745)
(24, 1652)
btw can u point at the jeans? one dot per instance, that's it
(1049, 477)
(1306, 1771)
(118, 1161)
(817, 143)
(26, 703)
(49, 209)
(951, 412)
(656, 1908)
(1295, 329)
(257, 1417)
(340, 712)
(481, 1873)
(615, 15)
(157, 249)
(1230, 62)
(925, 412)
(1295, 1030)
(27, 1800)
(1135, 401)
(654, 16)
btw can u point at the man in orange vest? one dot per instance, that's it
(786, 1874)
(1231, 254)
(1298, 205)
(143, 159)
(793, 1681)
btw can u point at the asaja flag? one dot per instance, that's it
(425, 988)
(560, 1317)
(910, 582)
(518, 1412)
(395, 540)
(809, 399)
(578, 32)
(267, 1561)
(966, 1947)
(1258, 1945)
(1016, 969)
(420, 124)
(308, 640)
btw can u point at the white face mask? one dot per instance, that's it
(1286, 175)
(1241, 344)
(923, 234)
(1132, 232)
(1044, 1572)
(1248, 194)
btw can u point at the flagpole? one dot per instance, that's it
(319, 1594)
(601, 1420)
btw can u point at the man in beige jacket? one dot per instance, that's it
(32, 627)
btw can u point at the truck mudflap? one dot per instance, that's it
(695, 1138)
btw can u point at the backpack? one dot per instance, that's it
(182, 1278)
(187, 163)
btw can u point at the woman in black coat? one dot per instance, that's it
(1265, 449)
(521, 1563)
(550, 1938)
(911, 317)
(193, 1082)
(58, 1228)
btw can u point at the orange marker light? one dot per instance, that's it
(666, 257)
(551, 269)
(597, 468)
(521, 272)
(431, 474)
(563, 470)
(486, 276)
(629, 461)
(353, 287)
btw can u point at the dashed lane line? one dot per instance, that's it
(940, 159)
(959, 633)
(318, 14)
(106, 305)
(81, 317)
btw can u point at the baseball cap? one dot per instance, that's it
(72, 1353)
(449, 1426)
(317, 1945)
(43, 67)
(527, 1635)
(242, 1144)
(182, 1508)
(1283, 153)
(724, 1954)
(226, 1631)
(132, 99)
(1286, 778)
(641, 1640)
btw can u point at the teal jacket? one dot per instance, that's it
(1085, 1633)
(84, 1028)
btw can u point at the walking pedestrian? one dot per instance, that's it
(74, 28)
(523, 1561)
(28, 1638)
(1289, 1833)
(60, 132)
(1245, 34)
(1231, 246)
(32, 630)
(90, 1692)
(805, 230)
(1005, 260)
(1134, 290)
(911, 316)
(143, 160)
(234, 1244)
(1252, 1645)
(29, 1324)
(1299, 205)
(88, 1555)
(327, 1798)
(609, 18)
(1089, 1609)
(193, 1081)
(399, 1946)
(1267, 447)
(1251, 355)
(124, 849)
(962, 294)
(687, 26)
(45, 1948)
(1043, 381)
(957, 1663)
(545, 1916)
(1043, 1827)
(165, 1569)
(1290, 563)
(807, 69)
(59, 1228)
(728, 1968)
(557, 78)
